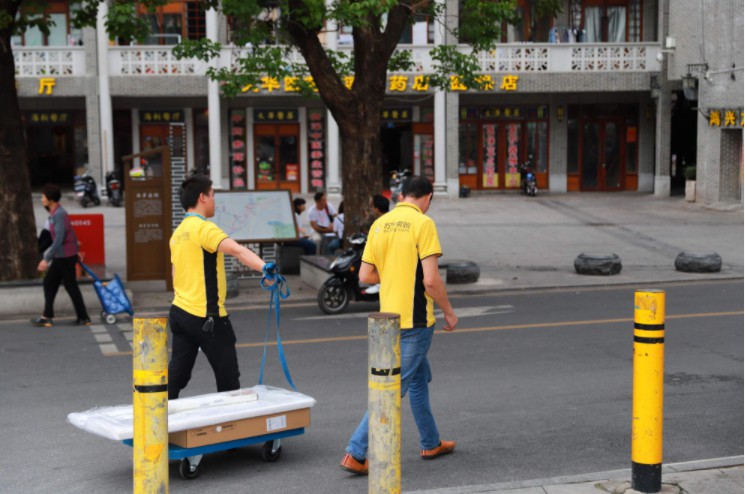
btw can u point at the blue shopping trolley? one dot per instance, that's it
(112, 295)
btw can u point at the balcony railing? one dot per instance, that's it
(518, 57)
(55, 61)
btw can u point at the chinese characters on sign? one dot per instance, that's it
(396, 114)
(46, 84)
(729, 117)
(163, 116)
(397, 83)
(275, 115)
(47, 118)
(490, 156)
(512, 175)
(316, 141)
(237, 143)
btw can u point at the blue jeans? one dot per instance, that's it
(415, 377)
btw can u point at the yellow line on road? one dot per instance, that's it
(335, 339)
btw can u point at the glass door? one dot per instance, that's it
(277, 156)
(590, 160)
(612, 166)
(603, 156)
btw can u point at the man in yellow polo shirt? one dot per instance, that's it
(401, 254)
(198, 317)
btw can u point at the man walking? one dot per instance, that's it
(198, 317)
(401, 254)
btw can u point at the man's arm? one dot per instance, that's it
(436, 289)
(321, 229)
(245, 256)
(368, 274)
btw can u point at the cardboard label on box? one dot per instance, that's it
(241, 429)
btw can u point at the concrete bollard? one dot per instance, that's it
(648, 387)
(384, 403)
(150, 405)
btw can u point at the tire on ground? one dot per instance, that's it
(460, 272)
(597, 264)
(698, 262)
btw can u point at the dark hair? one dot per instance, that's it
(341, 208)
(297, 202)
(51, 192)
(318, 195)
(416, 187)
(191, 189)
(381, 203)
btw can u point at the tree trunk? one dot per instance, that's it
(18, 247)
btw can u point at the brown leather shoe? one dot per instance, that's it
(349, 464)
(443, 448)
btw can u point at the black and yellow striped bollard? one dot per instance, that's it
(649, 375)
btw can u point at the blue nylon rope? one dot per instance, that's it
(279, 290)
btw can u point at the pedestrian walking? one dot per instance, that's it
(401, 254)
(59, 259)
(198, 317)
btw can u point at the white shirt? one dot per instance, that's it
(339, 225)
(320, 216)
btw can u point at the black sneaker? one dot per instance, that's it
(42, 322)
(83, 321)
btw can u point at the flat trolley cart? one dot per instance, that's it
(191, 457)
(211, 423)
(112, 295)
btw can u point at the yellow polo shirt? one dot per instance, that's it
(199, 269)
(396, 245)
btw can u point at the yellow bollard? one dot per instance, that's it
(649, 366)
(150, 405)
(384, 403)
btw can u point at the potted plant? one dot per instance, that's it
(689, 172)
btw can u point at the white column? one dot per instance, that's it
(333, 180)
(190, 153)
(440, 125)
(135, 130)
(104, 94)
(213, 112)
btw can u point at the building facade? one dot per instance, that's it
(594, 98)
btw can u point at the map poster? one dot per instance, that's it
(256, 215)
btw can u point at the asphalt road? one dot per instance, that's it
(533, 384)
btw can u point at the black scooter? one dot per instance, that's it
(527, 178)
(86, 190)
(114, 189)
(344, 283)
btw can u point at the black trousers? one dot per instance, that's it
(218, 346)
(62, 271)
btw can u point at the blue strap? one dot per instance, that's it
(279, 290)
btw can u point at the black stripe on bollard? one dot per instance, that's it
(385, 372)
(649, 327)
(646, 478)
(156, 388)
(641, 339)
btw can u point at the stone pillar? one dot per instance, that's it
(662, 134)
(213, 112)
(106, 120)
(557, 145)
(333, 171)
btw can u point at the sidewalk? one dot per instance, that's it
(717, 476)
(518, 243)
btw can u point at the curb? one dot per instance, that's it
(688, 466)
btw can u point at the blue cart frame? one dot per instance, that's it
(191, 457)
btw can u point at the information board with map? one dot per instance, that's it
(256, 215)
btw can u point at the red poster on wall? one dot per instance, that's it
(292, 172)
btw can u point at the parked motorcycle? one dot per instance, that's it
(396, 184)
(86, 190)
(344, 283)
(114, 189)
(527, 178)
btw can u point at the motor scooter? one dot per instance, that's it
(344, 283)
(527, 178)
(86, 190)
(114, 189)
(396, 184)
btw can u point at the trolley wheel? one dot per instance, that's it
(110, 319)
(103, 315)
(187, 471)
(268, 453)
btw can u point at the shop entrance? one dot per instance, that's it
(602, 156)
(56, 146)
(277, 156)
(397, 149)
